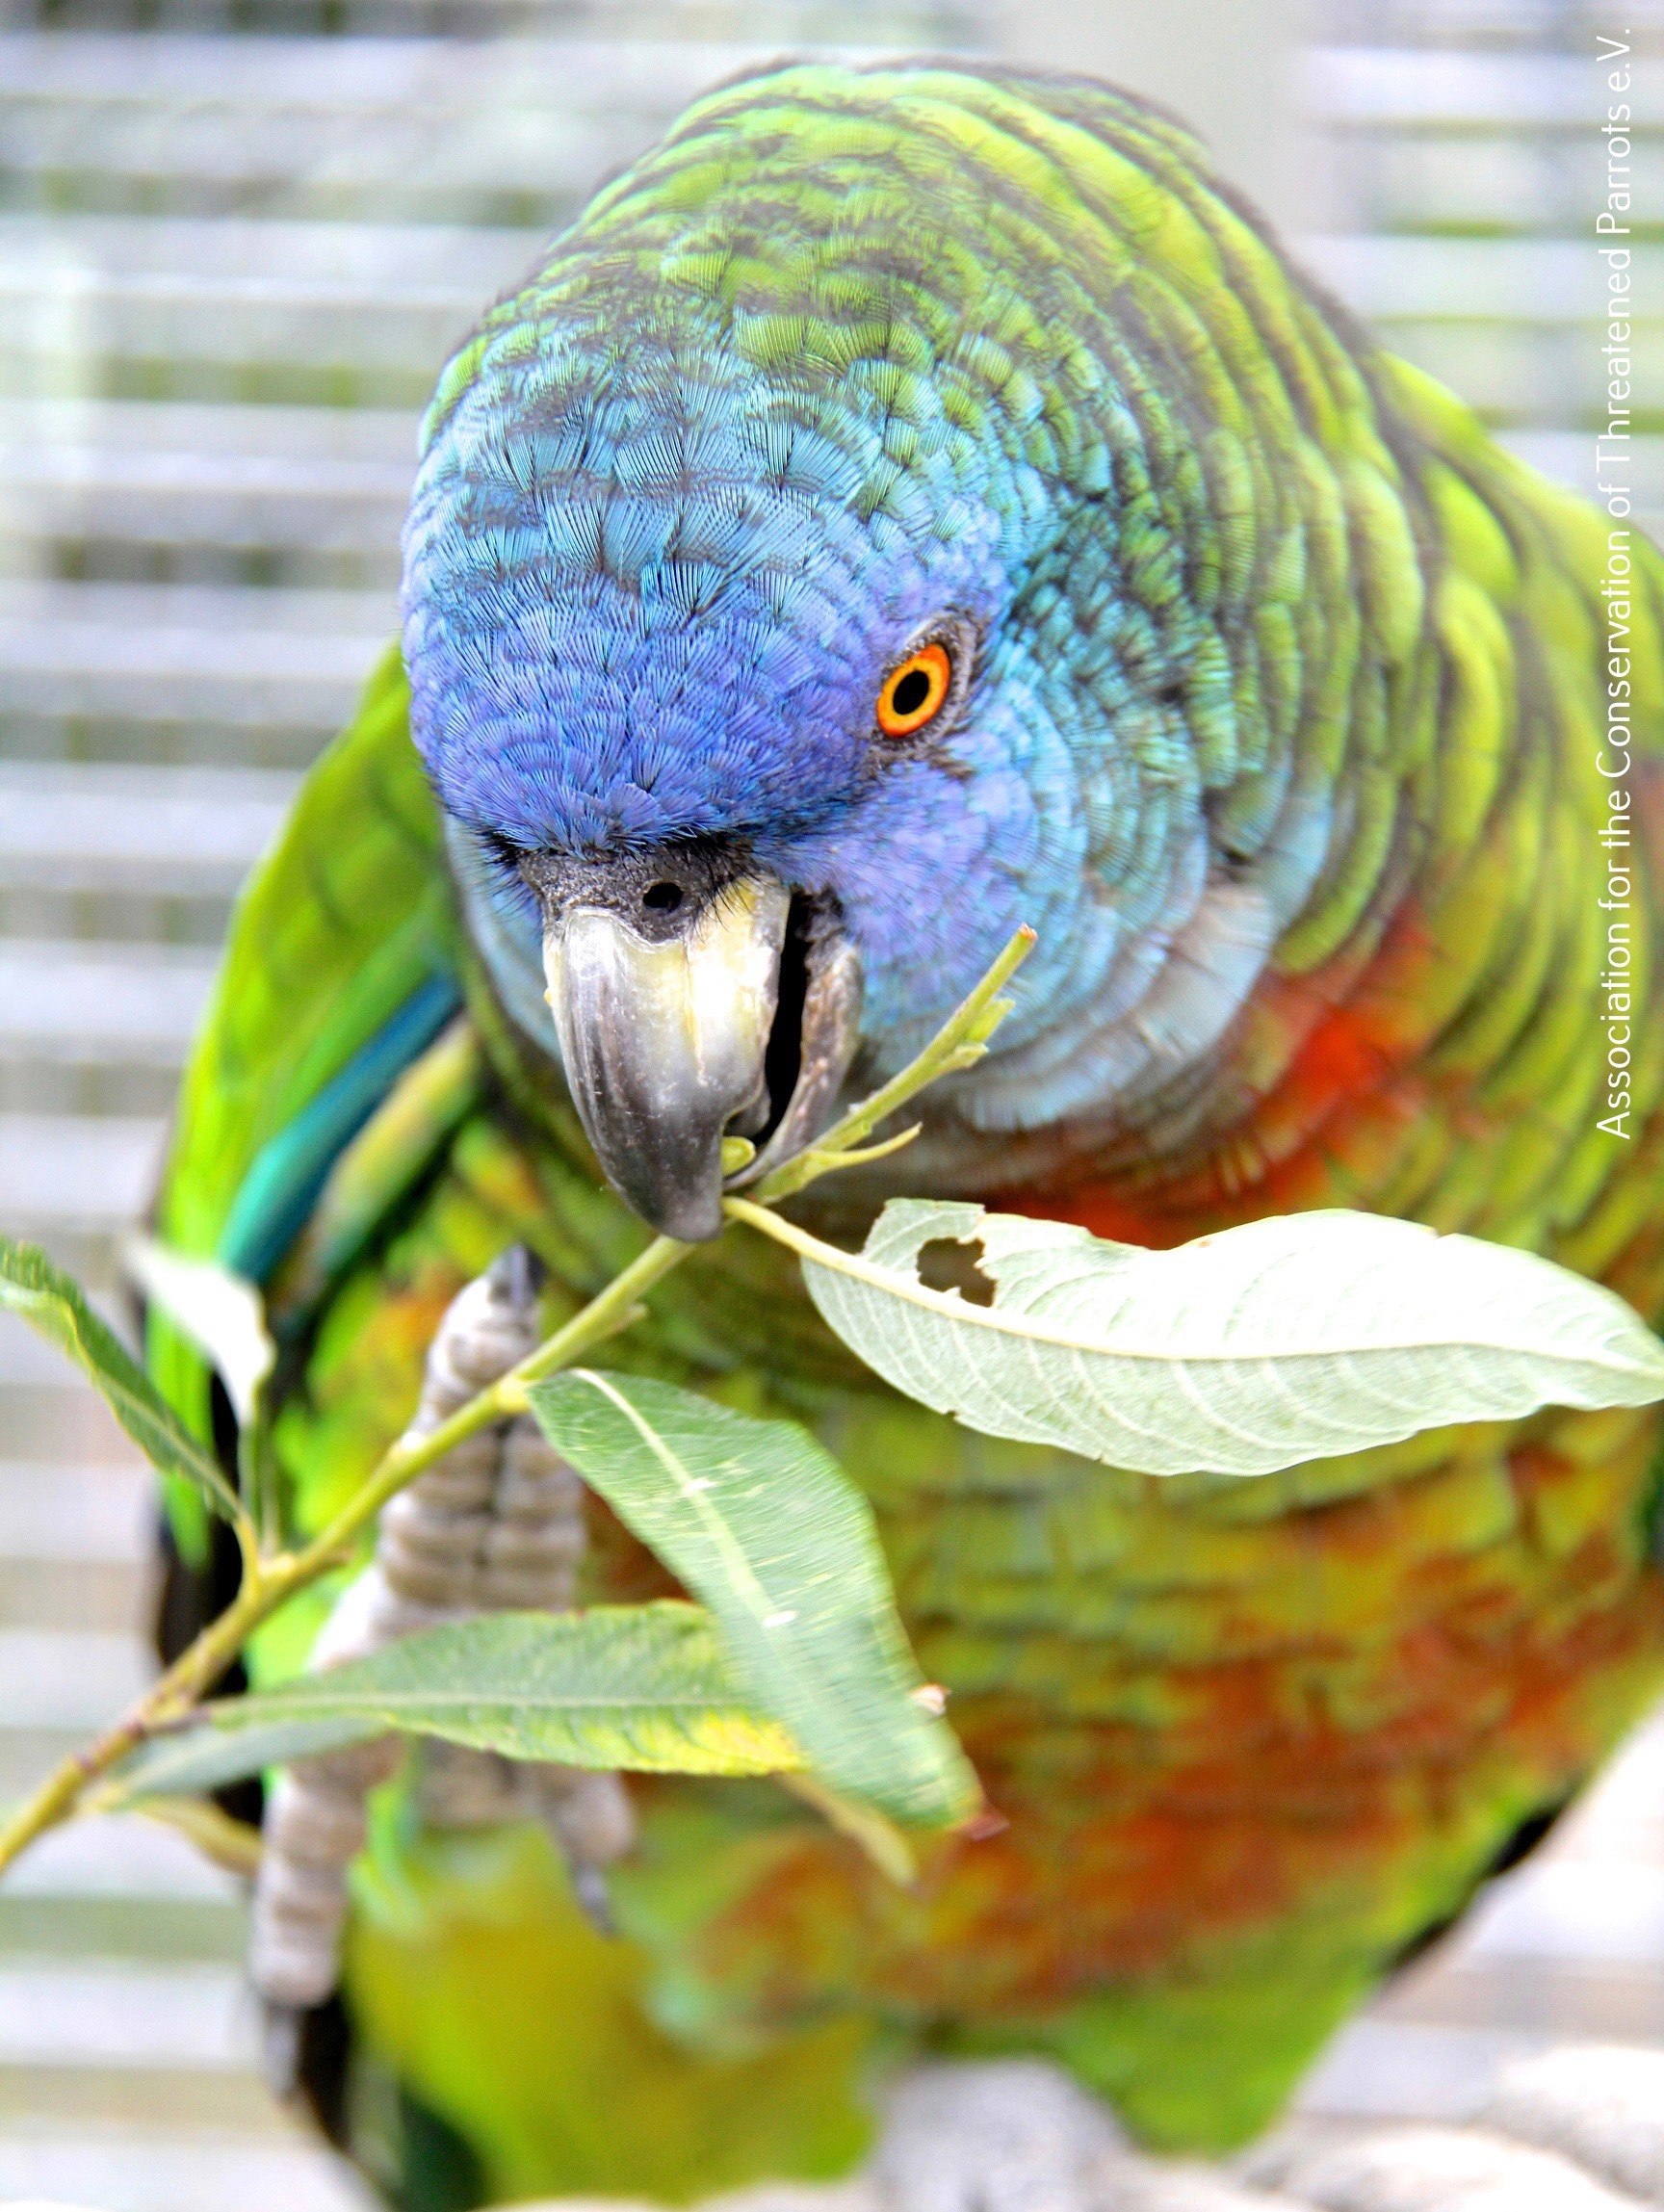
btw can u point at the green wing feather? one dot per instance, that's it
(345, 918)
(341, 964)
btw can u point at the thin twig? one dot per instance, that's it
(230, 1844)
(959, 1043)
(271, 1581)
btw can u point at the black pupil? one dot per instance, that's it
(662, 897)
(911, 691)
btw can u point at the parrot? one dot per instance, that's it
(921, 498)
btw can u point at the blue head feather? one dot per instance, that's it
(649, 596)
(765, 411)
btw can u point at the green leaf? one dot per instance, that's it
(55, 1304)
(767, 1529)
(192, 1761)
(222, 1314)
(1282, 1341)
(644, 1687)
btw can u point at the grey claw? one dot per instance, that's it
(589, 1887)
(281, 2048)
(516, 1275)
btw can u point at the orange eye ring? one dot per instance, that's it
(915, 692)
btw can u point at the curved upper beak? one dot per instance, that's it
(676, 1030)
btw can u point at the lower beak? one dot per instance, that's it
(669, 1042)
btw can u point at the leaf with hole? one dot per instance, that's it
(1285, 1339)
(55, 1304)
(647, 1688)
(765, 1526)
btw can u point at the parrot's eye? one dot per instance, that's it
(915, 692)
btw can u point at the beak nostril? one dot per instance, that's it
(662, 897)
(662, 1022)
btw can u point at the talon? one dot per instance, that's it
(497, 1523)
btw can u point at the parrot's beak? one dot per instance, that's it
(693, 1001)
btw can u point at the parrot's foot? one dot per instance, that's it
(496, 1525)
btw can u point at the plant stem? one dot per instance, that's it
(194, 1671)
(269, 1582)
(230, 1844)
(604, 1316)
(959, 1043)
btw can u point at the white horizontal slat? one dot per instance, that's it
(416, 152)
(363, 75)
(101, 2014)
(1631, 1790)
(146, 2170)
(369, 122)
(1564, 1908)
(365, 298)
(551, 159)
(1492, 25)
(76, 1172)
(232, 656)
(362, 264)
(317, 479)
(105, 1515)
(372, 439)
(1507, 186)
(1568, 458)
(119, 1856)
(93, 827)
(69, 1679)
(1541, 280)
(1410, 86)
(252, 619)
(108, 491)
(104, 1004)
(1411, 2069)
(86, 468)
(74, 314)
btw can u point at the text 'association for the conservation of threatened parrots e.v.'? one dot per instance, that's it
(914, 501)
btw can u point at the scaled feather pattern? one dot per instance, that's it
(1283, 731)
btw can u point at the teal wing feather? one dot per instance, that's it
(341, 972)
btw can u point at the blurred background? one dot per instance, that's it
(237, 240)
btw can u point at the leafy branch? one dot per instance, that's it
(1288, 1339)
(30, 1286)
(1277, 1341)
